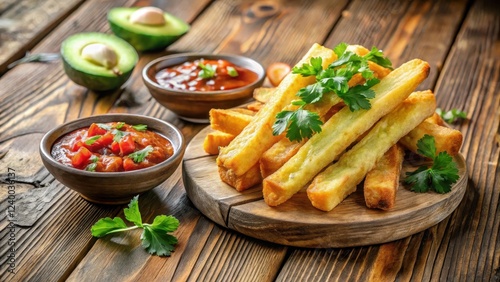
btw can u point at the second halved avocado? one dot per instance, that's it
(146, 37)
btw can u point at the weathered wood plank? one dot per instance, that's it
(470, 81)
(24, 23)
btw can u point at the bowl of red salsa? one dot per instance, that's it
(110, 158)
(191, 84)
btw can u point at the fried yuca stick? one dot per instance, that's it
(447, 139)
(244, 181)
(263, 94)
(382, 182)
(339, 180)
(216, 139)
(230, 121)
(340, 131)
(245, 150)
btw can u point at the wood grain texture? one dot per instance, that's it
(24, 24)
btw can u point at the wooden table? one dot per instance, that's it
(460, 39)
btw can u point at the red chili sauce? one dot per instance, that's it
(205, 75)
(112, 147)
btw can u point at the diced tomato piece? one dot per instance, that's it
(103, 141)
(111, 164)
(76, 146)
(127, 145)
(94, 130)
(128, 164)
(115, 147)
(80, 159)
(276, 72)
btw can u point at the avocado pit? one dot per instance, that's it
(148, 16)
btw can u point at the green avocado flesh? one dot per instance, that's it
(146, 37)
(91, 75)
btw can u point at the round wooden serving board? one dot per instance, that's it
(298, 223)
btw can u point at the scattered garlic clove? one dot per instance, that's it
(100, 54)
(148, 16)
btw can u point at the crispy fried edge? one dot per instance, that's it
(216, 139)
(230, 121)
(382, 182)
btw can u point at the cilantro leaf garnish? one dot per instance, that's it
(377, 56)
(140, 127)
(207, 71)
(313, 68)
(119, 125)
(333, 80)
(440, 176)
(155, 238)
(232, 71)
(299, 123)
(92, 139)
(140, 155)
(452, 115)
(118, 134)
(92, 166)
(104, 126)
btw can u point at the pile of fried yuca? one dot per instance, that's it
(352, 146)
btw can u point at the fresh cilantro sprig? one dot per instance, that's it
(334, 79)
(207, 71)
(140, 155)
(155, 238)
(452, 115)
(440, 176)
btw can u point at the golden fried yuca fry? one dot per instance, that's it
(263, 94)
(216, 139)
(447, 139)
(255, 106)
(340, 131)
(241, 182)
(436, 119)
(338, 180)
(229, 120)
(245, 150)
(382, 182)
(277, 155)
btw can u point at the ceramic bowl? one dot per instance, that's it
(194, 106)
(113, 187)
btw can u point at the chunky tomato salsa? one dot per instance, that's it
(112, 147)
(205, 75)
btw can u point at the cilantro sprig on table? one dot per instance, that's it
(155, 238)
(334, 79)
(452, 115)
(440, 176)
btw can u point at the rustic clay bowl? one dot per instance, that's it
(194, 105)
(113, 187)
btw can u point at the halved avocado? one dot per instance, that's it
(146, 37)
(90, 74)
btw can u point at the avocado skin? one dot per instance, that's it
(143, 42)
(95, 82)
